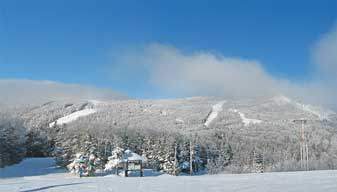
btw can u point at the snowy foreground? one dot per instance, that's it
(39, 174)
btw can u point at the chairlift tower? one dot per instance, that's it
(304, 151)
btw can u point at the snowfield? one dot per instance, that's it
(73, 117)
(40, 174)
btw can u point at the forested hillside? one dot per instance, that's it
(211, 133)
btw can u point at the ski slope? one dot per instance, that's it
(216, 109)
(246, 121)
(40, 174)
(321, 113)
(73, 117)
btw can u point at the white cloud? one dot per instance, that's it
(204, 73)
(325, 53)
(17, 92)
(207, 74)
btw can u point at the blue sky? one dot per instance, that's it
(77, 41)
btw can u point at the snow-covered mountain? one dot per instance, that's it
(253, 126)
(190, 113)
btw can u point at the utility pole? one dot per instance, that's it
(254, 165)
(175, 159)
(191, 157)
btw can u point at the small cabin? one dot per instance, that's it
(133, 162)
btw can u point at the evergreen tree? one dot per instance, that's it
(114, 160)
(12, 140)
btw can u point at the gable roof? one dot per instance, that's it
(129, 155)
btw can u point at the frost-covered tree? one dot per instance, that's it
(114, 160)
(12, 139)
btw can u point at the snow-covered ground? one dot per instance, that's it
(40, 174)
(73, 117)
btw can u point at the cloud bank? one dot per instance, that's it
(208, 74)
(203, 73)
(16, 92)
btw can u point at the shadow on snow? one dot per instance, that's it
(50, 186)
(31, 167)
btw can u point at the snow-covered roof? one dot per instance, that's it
(129, 155)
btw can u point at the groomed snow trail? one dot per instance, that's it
(73, 117)
(216, 109)
(40, 174)
(246, 121)
(321, 113)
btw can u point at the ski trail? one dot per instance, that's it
(246, 121)
(72, 117)
(216, 109)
